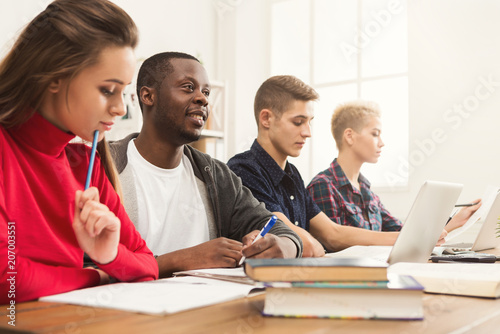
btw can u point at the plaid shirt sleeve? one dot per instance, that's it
(389, 222)
(323, 194)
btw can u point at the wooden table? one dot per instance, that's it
(443, 314)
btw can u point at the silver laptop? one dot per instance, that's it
(425, 222)
(421, 229)
(486, 238)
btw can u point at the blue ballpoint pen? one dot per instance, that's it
(262, 233)
(92, 158)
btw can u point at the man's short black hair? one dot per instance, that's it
(154, 70)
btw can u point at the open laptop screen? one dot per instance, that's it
(425, 222)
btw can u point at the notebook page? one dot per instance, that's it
(163, 296)
(488, 198)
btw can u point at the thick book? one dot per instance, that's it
(463, 279)
(316, 269)
(400, 298)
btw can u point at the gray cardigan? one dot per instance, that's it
(235, 211)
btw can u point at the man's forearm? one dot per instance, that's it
(347, 236)
(175, 261)
(288, 247)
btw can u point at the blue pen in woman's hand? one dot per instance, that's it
(92, 158)
(262, 233)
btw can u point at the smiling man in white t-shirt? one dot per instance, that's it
(192, 210)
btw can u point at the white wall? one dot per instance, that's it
(244, 48)
(454, 46)
(13, 17)
(172, 25)
(164, 25)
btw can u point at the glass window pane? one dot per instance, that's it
(324, 149)
(290, 38)
(384, 37)
(335, 52)
(379, 40)
(392, 96)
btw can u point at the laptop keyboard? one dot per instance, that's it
(461, 245)
(466, 257)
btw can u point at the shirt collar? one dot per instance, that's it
(269, 164)
(363, 179)
(41, 135)
(342, 180)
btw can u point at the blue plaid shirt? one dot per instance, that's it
(342, 203)
(281, 190)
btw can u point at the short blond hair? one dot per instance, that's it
(354, 115)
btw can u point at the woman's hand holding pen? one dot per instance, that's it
(97, 229)
(463, 215)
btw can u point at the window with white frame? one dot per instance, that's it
(348, 50)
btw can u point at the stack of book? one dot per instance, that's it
(335, 288)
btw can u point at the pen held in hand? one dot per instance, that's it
(467, 204)
(92, 158)
(262, 233)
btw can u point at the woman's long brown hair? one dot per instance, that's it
(65, 38)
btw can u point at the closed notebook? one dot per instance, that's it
(399, 298)
(316, 269)
(236, 275)
(463, 279)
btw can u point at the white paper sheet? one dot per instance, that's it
(163, 296)
(488, 198)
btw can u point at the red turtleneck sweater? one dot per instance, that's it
(40, 173)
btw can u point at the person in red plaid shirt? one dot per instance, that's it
(341, 191)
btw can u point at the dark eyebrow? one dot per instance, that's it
(117, 81)
(195, 81)
(304, 117)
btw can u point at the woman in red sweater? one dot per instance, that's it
(65, 77)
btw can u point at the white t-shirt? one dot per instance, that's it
(171, 214)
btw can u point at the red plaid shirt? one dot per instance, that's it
(345, 205)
